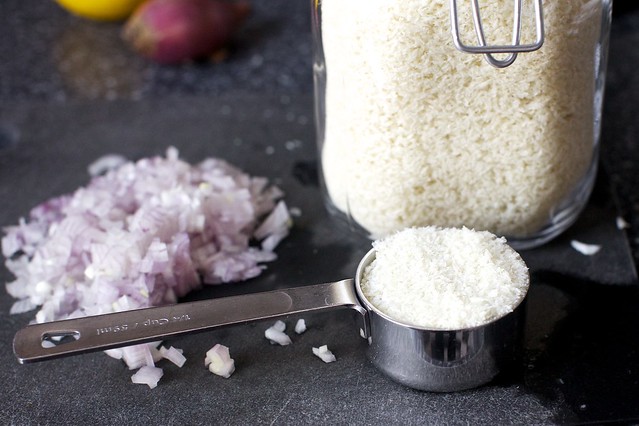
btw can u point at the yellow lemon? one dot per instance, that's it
(101, 10)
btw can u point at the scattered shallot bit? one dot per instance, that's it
(106, 163)
(621, 223)
(174, 355)
(147, 375)
(114, 353)
(275, 227)
(324, 354)
(156, 353)
(136, 356)
(218, 360)
(585, 249)
(300, 326)
(276, 334)
(21, 306)
(279, 325)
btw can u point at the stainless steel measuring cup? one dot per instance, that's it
(431, 360)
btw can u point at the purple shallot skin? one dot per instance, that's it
(176, 31)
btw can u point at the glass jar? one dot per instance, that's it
(413, 131)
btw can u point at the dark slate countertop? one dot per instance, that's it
(70, 92)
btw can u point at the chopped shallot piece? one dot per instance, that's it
(269, 243)
(22, 305)
(106, 163)
(324, 354)
(585, 249)
(275, 227)
(142, 234)
(174, 355)
(277, 222)
(276, 336)
(147, 375)
(279, 325)
(114, 353)
(137, 356)
(155, 354)
(218, 360)
(300, 326)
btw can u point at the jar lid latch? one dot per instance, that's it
(490, 50)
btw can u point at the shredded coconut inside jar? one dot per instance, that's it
(418, 133)
(445, 278)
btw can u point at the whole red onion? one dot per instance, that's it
(174, 31)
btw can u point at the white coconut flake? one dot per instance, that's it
(148, 375)
(218, 360)
(324, 354)
(585, 249)
(277, 337)
(300, 326)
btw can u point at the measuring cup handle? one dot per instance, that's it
(37, 342)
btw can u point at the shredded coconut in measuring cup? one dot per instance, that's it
(445, 278)
(418, 133)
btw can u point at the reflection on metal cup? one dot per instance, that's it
(441, 360)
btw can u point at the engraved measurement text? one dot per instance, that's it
(149, 322)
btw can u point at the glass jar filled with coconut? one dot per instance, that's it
(482, 113)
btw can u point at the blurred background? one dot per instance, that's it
(50, 54)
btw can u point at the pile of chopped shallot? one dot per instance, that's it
(143, 234)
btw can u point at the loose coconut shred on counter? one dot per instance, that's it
(445, 278)
(143, 234)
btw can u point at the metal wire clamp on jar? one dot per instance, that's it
(411, 132)
(489, 51)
